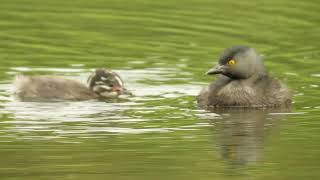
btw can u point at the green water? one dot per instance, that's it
(162, 49)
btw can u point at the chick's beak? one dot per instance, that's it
(117, 88)
(218, 69)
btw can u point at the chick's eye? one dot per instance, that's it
(232, 62)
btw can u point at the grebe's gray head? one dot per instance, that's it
(106, 83)
(238, 62)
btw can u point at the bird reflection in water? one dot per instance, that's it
(241, 134)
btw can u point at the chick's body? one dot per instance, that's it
(37, 88)
(101, 84)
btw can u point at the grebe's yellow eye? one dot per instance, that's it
(232, 62)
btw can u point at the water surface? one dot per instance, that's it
(162, 50)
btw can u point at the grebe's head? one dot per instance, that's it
(106, 83)
(238, 62)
